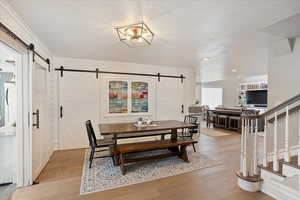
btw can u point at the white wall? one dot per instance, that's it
(82, 91)
(284, 70)
(231, 87)
(230, 90)
(284, 83)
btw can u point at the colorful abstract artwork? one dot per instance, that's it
(139, 97)
(118, 97)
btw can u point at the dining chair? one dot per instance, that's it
(96, 143)
(189, 132)
(211, 118)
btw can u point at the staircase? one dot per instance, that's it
(270, 161)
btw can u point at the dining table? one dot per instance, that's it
(120, 130)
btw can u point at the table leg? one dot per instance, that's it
(174, 134)
(114, 151)
(174, 138)
(207, 120)
(122, 164)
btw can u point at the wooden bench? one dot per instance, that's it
(176, 147)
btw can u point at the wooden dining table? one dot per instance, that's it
(119, 130)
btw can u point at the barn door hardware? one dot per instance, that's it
(37, 123)
(19, 40)
(48, 62)
(61, 112)
(97, 71)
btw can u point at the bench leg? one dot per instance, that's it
(162, 137)
(183, 154)
(91, 157)
(122, 166)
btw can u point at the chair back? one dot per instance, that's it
(91, 133)
(190, 119)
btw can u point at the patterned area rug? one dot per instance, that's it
(104, 175)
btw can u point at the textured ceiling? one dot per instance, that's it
(227, 31)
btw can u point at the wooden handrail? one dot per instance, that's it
(277, 108)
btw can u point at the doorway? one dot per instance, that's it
(8, 121)
(15, 124)
(213, 97)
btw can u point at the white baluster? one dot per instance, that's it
(251, 141)
(242, 146)
(275, 156)
(245, 167)
(286, 140)
(255, 148)
(265, 153)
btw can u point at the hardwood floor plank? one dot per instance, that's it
(60, 180)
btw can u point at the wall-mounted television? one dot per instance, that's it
(257, 98)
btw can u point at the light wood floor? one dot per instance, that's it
(61, 179)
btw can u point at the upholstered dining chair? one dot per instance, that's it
(96, 143)
(188, 132)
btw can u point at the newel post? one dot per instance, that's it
(246, 129)
(275, 157)
(286, 138)
(255, 171)
(242, 145)
(265, 151)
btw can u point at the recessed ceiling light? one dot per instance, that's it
(234, 70)
(205, 59)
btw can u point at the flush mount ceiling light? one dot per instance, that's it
(137, 34)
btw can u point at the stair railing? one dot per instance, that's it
(249, 137)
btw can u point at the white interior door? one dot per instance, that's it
(170, 99)
(78, 101)
(41, 138)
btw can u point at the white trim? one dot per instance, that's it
(249, 186)
(29, 120)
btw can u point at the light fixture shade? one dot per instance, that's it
(137, 34)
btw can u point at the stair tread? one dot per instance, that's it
(293, 162)
(270, 169)
(255, 178)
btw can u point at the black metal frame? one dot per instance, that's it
(189, 132)
(27, 46)
(97, 71)
(37, 114)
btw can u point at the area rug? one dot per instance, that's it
(213, 132)
(104, 175)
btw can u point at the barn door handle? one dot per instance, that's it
(182, 108)
(61, 112)
(37, 114)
